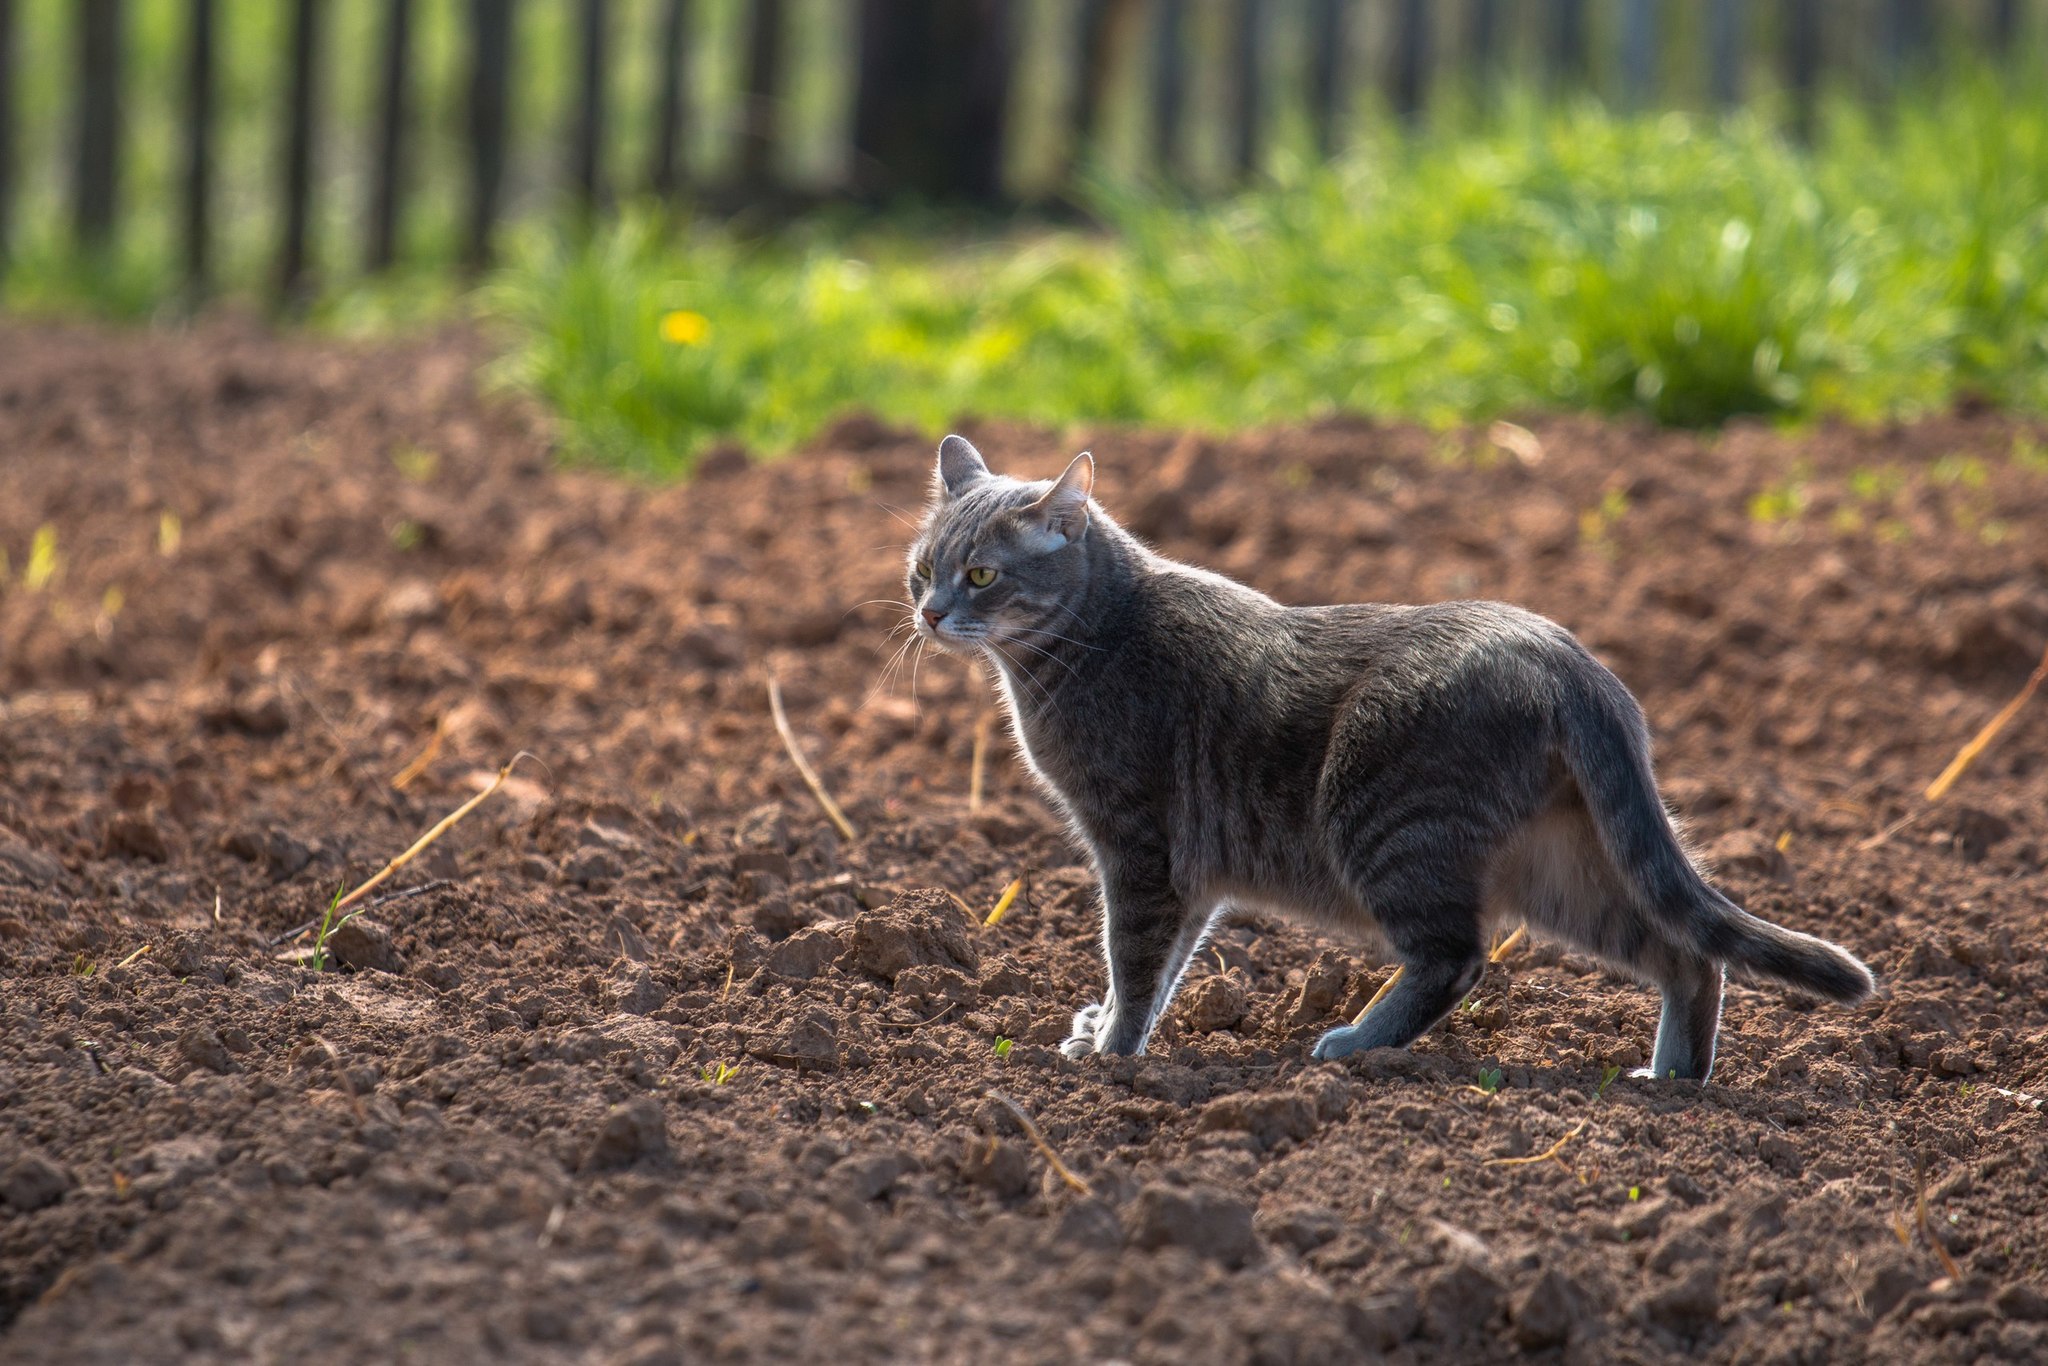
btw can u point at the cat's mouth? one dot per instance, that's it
(955, 639)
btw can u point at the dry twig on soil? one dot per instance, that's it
(1379, 995)
(1045, 1149)
(1938, 789)
(803, 765)
(1948, 1263)
(442, 827)
(1546, 1155)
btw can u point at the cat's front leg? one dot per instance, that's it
(1146, 942)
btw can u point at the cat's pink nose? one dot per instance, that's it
(932, 618)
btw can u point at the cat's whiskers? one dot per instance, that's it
(899, 514)
(1017, 669)
(1040, 649)
(1041, 631)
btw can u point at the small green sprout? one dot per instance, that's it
(718, 1074)
(329, 923)
(1490, 1080)
(83, 966)
(867, 1107)
(1003, 1046)
(1607, 1076)
(1635, 1193)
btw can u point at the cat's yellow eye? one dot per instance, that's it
(923, 569)
(981, 577)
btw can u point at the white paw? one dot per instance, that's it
(1085, 1037)
(1078, 1047)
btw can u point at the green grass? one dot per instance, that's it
(1687, 268)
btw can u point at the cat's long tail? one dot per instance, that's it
(1606, 747)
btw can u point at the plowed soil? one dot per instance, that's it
(644, 1063)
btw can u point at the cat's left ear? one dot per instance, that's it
(1061, 516)
(959, 465)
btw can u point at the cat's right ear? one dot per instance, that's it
(960, 465)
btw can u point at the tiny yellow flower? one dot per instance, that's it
(685, 328)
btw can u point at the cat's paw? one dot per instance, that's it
(1331, 1045)
(1340, 1042)
(1085, 1036)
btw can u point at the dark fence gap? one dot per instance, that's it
(1328, 109)
(101, 48)
(760, 114)
(664, 174)
(1639, 49)
(301, 96)
(1170, 87)
(2004, 26)
(1724, 51)
(490, 30)
(1247, 93)
(1412, 59)
(387, 165)
(1568, 41)
(586, 152)
(199, 63)
(929, 109)
(1802, 62)
(1908, 36)
(1483, 40)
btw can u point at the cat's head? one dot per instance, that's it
(997, 559)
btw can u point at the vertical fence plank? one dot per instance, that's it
(387, 164)
(586, 150)
(664, 175)
(490, 38)
(1169, 87)
(1568, 41)
(1328, 108)
(300, 101)
(199, 149)
(101, 49)
(1412, 58)
(1802, 62)
(6, 131)
(1247, 63)
(1639, 51)
(759, 130)
(1724, 52)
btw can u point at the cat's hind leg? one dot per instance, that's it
(1690, 1021)
(1433, 925)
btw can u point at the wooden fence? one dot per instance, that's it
(942, 92)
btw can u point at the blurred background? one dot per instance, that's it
(685, 221)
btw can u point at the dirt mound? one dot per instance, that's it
(645, 1063)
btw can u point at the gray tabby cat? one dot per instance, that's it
(1422, 772)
